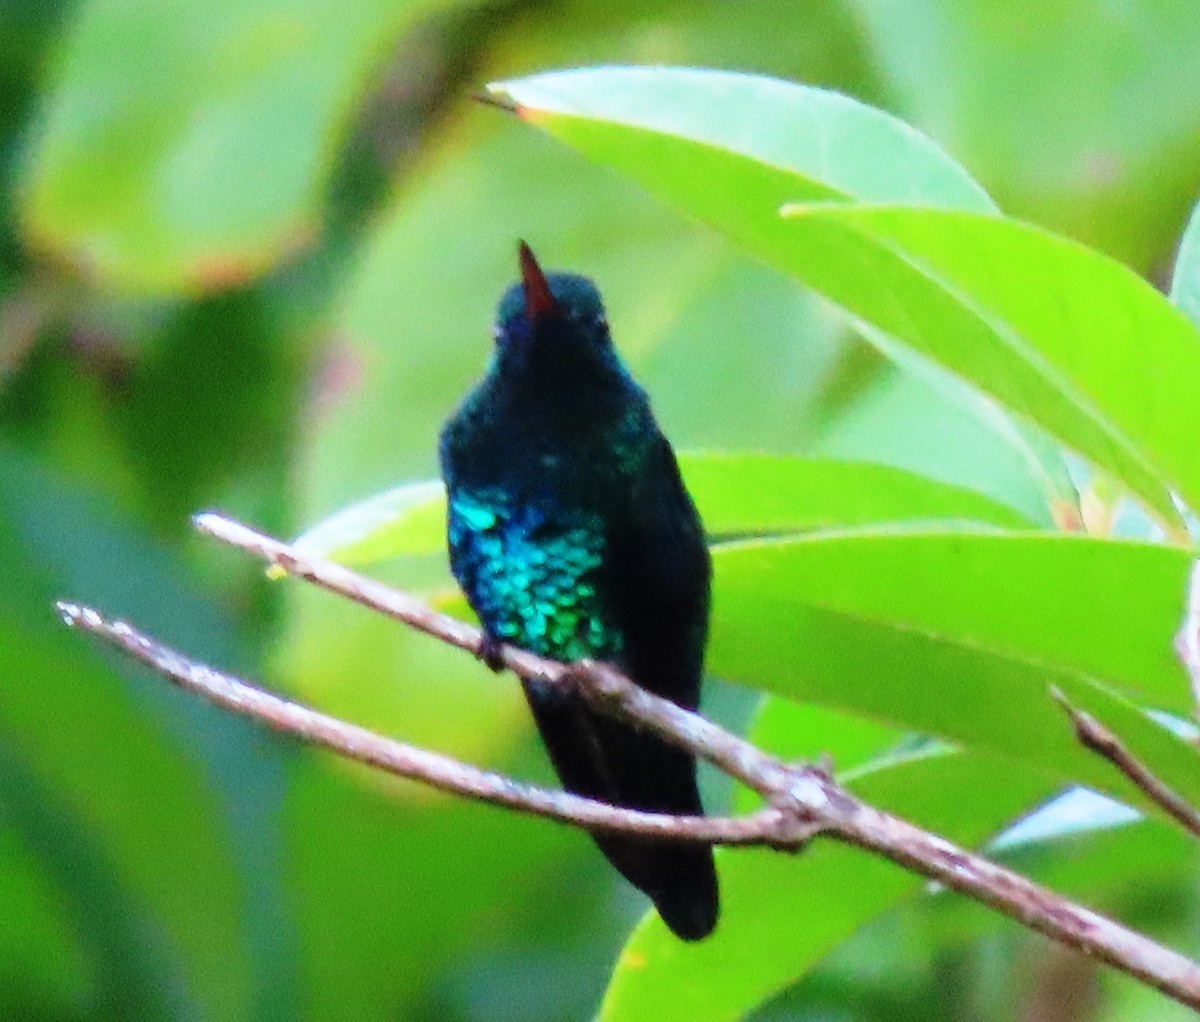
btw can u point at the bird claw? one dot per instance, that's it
(491, 652)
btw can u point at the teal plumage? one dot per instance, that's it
(532, 574)
(572, 535)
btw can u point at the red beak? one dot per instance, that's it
(539, 302)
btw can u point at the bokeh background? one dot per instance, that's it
(249, 251)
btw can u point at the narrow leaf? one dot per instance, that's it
(960, 635)
(737, 494)
(781, 914)
(1060, 334)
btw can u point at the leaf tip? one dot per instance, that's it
(1066, 515)
(494, 94)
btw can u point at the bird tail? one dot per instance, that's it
(602, 759)
(680, 879)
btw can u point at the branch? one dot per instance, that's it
(1099, 739)
(393, 757)
(802, 801)
(730, 754)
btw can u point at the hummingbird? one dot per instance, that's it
(572, 535)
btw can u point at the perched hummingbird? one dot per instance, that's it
(572, 535)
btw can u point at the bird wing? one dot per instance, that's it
(660, 571)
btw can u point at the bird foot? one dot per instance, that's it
(491, 652)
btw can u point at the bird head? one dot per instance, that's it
(560, 308)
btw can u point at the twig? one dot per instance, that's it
(725, 751)
(765, 827)
(802, 801)
(1099, 739)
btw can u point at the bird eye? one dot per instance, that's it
(497, 332)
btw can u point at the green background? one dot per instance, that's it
(249, 252)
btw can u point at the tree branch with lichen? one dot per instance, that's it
(801, 802)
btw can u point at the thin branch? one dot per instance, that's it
(802, 801)
(729, 753)
(438, 771)
(1022, 900)
(1099, 739)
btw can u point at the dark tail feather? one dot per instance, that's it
(689, 904)
(681, 880)
(600, 758)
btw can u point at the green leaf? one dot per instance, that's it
(407, 520)
(766, 137)
(678, 131)
(960, 635)
(1060, 334)
(806, 731)
(742, 494)
(737, 494)
(185, 147)
(781, 914)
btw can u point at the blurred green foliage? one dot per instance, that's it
(248, 255)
